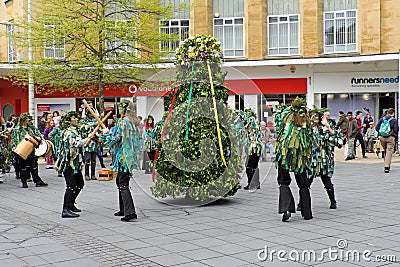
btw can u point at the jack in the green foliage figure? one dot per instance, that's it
(198, 155)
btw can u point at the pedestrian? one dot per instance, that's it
(367, 120)
(293, 152)
(268, 141)
(69, 162)
(370, 137)
(359, 135)
(42, 122)
(341, 124)
(56, 118)
(49, 128)
(388, 129)
(149, 144)
(9, 123)
(351, 132)
(124, 143)
(28, 166)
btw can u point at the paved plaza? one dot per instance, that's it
(243, 230)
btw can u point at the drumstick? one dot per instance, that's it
(94, 114)
(97, 128)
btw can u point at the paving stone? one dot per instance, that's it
(231, 231)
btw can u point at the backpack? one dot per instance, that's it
(384, 129)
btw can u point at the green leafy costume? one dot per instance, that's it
(323, 154)
(124, 141)
(293, 143)
(70, 150)
(87, 127)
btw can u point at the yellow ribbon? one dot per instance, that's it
(221, 151)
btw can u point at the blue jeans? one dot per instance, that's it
(270, 146)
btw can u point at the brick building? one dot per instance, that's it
(340, 54)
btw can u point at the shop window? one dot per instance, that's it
(283, 35)
(54, 44)
(230, 33)
(340, 31)
(120, 39)
(177, 31)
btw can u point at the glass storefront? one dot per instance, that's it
(375, 103)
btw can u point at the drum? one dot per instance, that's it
(45, 149)
(50, 150)
(26, 146)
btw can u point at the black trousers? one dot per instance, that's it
(251, 166)
(28, 167)
(326, 180)
(360, 139)
(74, 184)
(90, 161)
(286, 200)
(124, 194)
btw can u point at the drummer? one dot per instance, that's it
(24, 126)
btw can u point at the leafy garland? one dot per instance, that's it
(199, 48)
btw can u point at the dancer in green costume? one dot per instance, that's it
(293, 152)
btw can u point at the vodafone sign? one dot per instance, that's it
(150, 89)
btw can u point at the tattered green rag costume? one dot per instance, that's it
(293, 143)
(124, 141)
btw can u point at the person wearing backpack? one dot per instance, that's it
(388, 129)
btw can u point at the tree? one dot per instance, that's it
(199, 154)
(87, 44)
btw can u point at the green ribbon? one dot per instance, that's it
(186, 122)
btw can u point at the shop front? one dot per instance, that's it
(351, 91)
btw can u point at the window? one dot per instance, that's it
(283, 35)
(11, 47)
(178, 31)
(340, 31)
(230, 33)
(119, 40)
(54, 44)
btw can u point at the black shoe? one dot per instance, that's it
(129, 218)
(24, 185)
(333, 205)
(68, 214)
(75, 209)
(59, 174)
(17, 177)
(119, 213)
(147, 172)
(246, 187)
(298, 207)
(286, 216)
(103, 166)
(387, 170)
(308, 218)
(29, 180)
(41, 184)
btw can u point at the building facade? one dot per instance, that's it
(340, 54)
